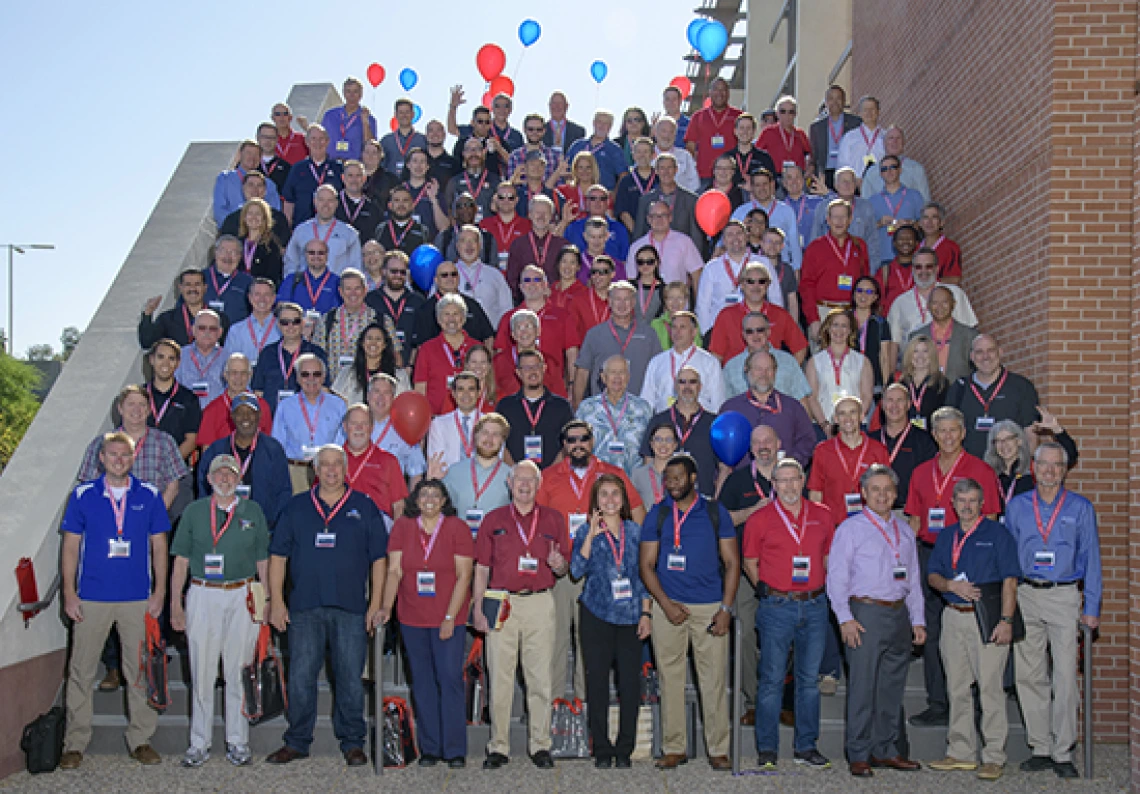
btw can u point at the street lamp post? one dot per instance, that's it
(12, 250)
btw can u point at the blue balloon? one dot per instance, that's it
(422, 263)
(694, 30)
(416, 114)
(529, 31)
(729, 436)
(599, 70)
(711, 40)
(408, 79)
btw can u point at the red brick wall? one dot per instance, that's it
(1024, 114)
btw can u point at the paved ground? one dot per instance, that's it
(105, 773)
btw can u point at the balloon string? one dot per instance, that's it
(518, 63)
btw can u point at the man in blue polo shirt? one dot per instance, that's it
(681, 556)
(977, 551)
(114, 550)
(228, 195)
(335, 542)
(349, 126)
(307, 421)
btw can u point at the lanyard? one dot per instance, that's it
(642, 189)
(600, 316)
(898, 271)
(526, 538)
(916, 397)
(454, 357)
(798, 537)
(756, 480)
(314, 295)
(845, 256)
(317, 231)
(319, 177)
(346, 122)
(321, 511)
(398, 241)
(429, 547)
(644, 303)
(579, 485)
(209, 361)
(735, 279)
(803, 202)
(897, 545)
(486, 483)
(712, 117)
(158, 414)
(619, 551)
(354, 475)
(870, 143)
(534, 417)
(119, 508)
(893, 208)
(744, 165)
(692, 424)
(407, 144)
(921, 306)
(898, 444)
(423, 188)
(357, 322)
(474, 282)
(987, 403)
(1047, 529)
(475, 191)
(352, 216)
(763, 406)
(621, 414)
(852, 476)
(788, 142)
(383, 433)
(940, 487)
(837, 368)
(468, 444)
(214, 533)
(249, 455)
(628, 339)
(959, 543)
(656, 485)
(392, 312)
(507, 234)
(219, 291)
(835, 129)
(679, 519)
(260, 344)
(312, 423)
(1013, 477)
(673, 368)
(186, 322)
(540, 259)
(287, 374)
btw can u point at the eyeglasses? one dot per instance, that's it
(865, 291)
(688, 382)
(281, 113)
(313, 374)
(532, 279)
(884, 168)
(924, 267)
(786, 111)
(316, 253)
(511, 197)
(757, 281)
(481, 121)
(535, 129)
(752, 331)
(1005, 439)
(452, 274)
(596, 198)
(647, 262)
(658, 215)
(601, 271)
(214, 328)
(285, 323)
(398, 271)
(577, 439)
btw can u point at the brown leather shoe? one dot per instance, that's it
(671, 760)
(720, 763)
(861, 769)
(285, 755)
(749, 717)
(146, 755)
(788, 717)
(898, 762)
(70, 760)
(355, 757)
(111, 681)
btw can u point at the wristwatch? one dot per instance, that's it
(448, 617)
(647, 614)
(1005, 619)
(726, 608)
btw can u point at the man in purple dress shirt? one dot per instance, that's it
(763, 405)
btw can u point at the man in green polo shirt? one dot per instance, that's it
(223, 544)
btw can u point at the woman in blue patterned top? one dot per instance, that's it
(614, 617)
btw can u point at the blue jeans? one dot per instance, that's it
(438, 692)
(781, 623)
(342, 633)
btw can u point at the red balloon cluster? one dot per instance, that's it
(490, 59)
(411, 416)
(375, 74)
(393, 124)
(682, 84)
(713, 211)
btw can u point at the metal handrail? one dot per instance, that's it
(1087, 633)
(30, 610)
(840, 63)
(378, 678)
(779, 21)
(737, 710)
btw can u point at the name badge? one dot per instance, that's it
(532, 447)
(854, 503)
(675, 562)
(284, 395)
(200, 389)
(528, 565)
(844, 282)
(801, 569)
(308, 451)
(218, 306)
(576, 522)
(717, 141)
(616, 447)
(400, 336)
(342, 146)
(450, 380)
(503, 255)
(622, 589)
(473, 517)
(215, 566)
(984, 423)
(345, 361)
(119, 549)
(868, 161)
(731, 299)
(243, 491)
(919, 422)
(400, 167)
(936, 518)
(899, 574)
(326, 540)
(416, 217)
(1044, 560)
(425, 583)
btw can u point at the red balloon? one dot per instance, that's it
(375, 74)
(491, 59)
(411, 416)
(713, 211)
(394, 124)
(502, 85)
(682, 84)
(708, 102)
(488, 99)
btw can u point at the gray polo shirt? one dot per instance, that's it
(600, 344)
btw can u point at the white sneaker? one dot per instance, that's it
(195, 757)
(828, 685)
(238, 754)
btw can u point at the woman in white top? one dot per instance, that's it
(838, 370)
(374, 353)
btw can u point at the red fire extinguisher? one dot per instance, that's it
(29, 591)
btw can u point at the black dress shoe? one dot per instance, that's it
(1037, 763)
(543, 760)
(623, 762)
(459, 762)
(1066, 770)
(355, 757)
(930, 717)
(603, 762)
(495, 760)
(429, 760)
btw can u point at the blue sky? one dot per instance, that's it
(103, 99)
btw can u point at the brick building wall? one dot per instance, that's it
(1025, 115)
(1134, 487)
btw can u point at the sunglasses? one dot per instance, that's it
(688, 382)
(532, 279)
(577, 439)
(535, 129)
(287, 323)
(884, 168)
(602, 271)
(647, 262)
(786, 112)
(595, 198)
(507, 198)
(305, 375)
(865, 291)
(453, 274)
(280, 113)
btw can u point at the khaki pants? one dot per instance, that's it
(88, 637)
(218, 625)
(528, 631)
(566, 594)
(966, 659)
(710, 654)
(301, 477)
(1049, 706)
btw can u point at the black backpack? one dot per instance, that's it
(42, 741)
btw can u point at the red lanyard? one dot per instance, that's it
(209, 361)
(756, 480)
(157, 414)
(628, 339)
(579, 485)
(916, 398)
(119, 507)
(474, 282)
(526, 538)
(987, 403)
(354, 475)
(894, 209)
(540, 259)
(346, 122)
(249, 455)
(870, 143)
(735, 279)
(507, 234)
(603, 315)
(398, 241)
(395, 315)
(845, 255)
(944, 341)
(214, 533)
(673, 368)
(959, 542)
(315, 295)
(837, 368)
(286, 374)
(486, 483)
(423, 188)
(798, 537)
(534, 417)
(940, 487)
(763, 406)
(897, 545)
(467, 443)
(324, 172)
(429, 547)
(609, 413)
(788, 142)
(835, 129)
(619, 551)
(723, 117)
(898, 444)
(644, 304)
(679, 519)
(1047, 529)
(1013, 477)
(454, 357)
(655, 484)
(352, 216)
(312, 423)
(642, 189)
(345, 337)
(921, 307)
(260, 344)
(683, 437)
(186, 322)
(407, 144)
(383, 433)
(899, 271)
(475, 191)
(321, 511)
(744, 165)
(852, 476)
(219, 291)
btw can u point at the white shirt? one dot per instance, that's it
(486, 285)
(343, 242)
(909, 312)
(687, 176)
(857, 144)
(717, 290)
(850, 377)
(444, 436)
(659, 387)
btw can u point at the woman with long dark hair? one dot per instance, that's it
(374, 353)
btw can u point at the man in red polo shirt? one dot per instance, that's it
(785, 554)
(832, 265)
(217, 421)
(559, 340)
(930, 509)
(520, 550)
(727, 338)
(710, 132)
(371, 470)
(506, 225)
(566, 488)
(839, 462)
(949, 254)
(784, 141)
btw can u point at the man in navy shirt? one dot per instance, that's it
(977, 551)
(114, 551)
(681, 556)
(308, 175)
(227, 289)
(335, 542)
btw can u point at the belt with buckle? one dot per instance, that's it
(530, 592)
(879, 602)
(796, 595)
(961, 608)
(1043, 584)
(222, 585)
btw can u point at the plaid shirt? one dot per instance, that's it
(518, 157)
(157, 460)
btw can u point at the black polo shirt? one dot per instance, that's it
(917, 448)
(179, 409)
(408, 238)
(697, 445)
(556, 412)
(1016, 400)
(277, 170)
(442, 168)
(404, 312)
(741, 490)
(364, 216)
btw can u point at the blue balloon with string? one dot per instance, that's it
(711, 40)
(529, 31)
(408, 79)
(729, 437)
(422, 264)
(417, 112)
(599, 70)
(694, 31)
